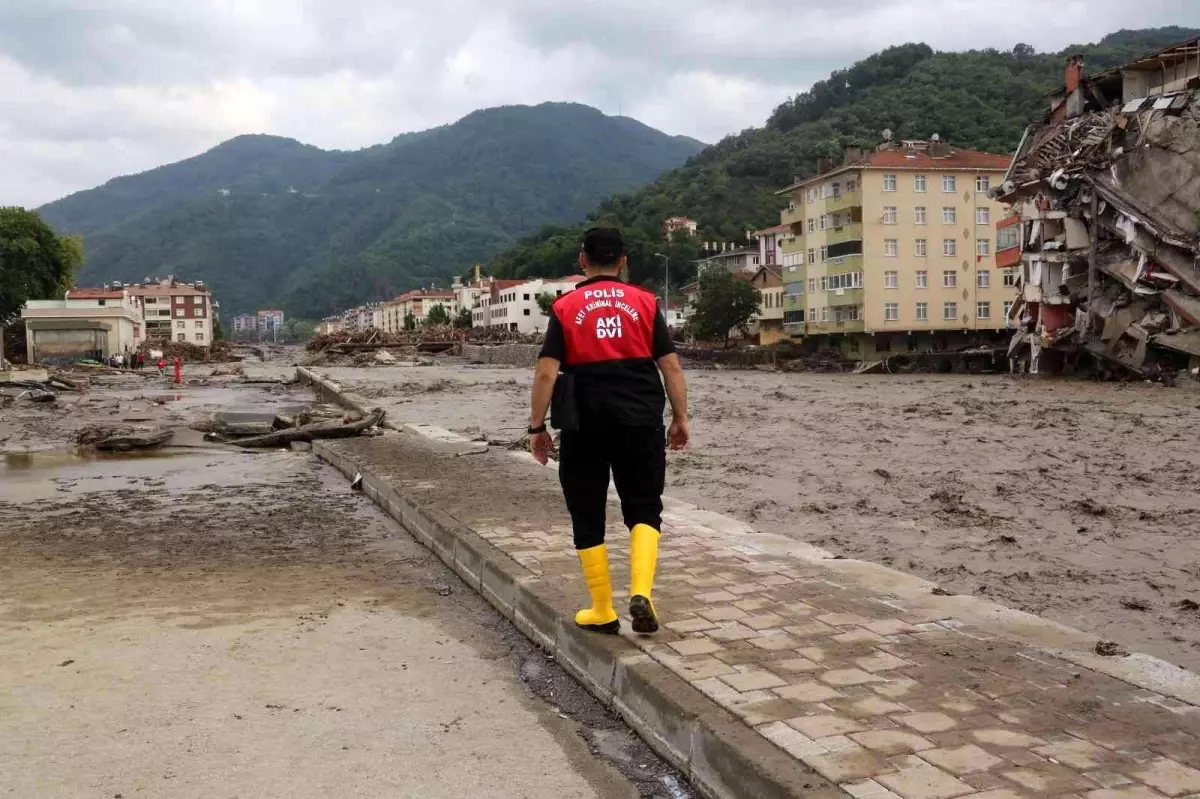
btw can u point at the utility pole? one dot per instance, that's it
(666, 284)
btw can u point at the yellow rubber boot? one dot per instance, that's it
(600, 617)
(643, 557)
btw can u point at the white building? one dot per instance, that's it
(513, 304)
(89, 323)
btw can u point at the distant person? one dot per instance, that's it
(162, 368)
(141, 360)
(611, 342)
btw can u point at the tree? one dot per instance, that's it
(35, 263)
(438, 315)
(545, 302)
(410, 321)
(218, 331)
(725, 303)
(295, 329)
(464, 320)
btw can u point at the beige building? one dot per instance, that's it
(418, 303)
(88, 324)
(893, 251)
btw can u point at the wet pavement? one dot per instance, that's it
(196, 621)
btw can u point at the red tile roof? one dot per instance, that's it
(156, 290)
(915, 159)
(571, 279)
(95, 294)
(921, 159)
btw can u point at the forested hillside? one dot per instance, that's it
(266, 220)
(981, 99)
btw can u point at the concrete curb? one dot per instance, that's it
(722, 757)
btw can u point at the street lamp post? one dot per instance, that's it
(666, 284)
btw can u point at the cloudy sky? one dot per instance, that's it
(91, 89)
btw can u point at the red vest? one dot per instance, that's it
(607, 321)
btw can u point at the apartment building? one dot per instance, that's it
(513, 304)
(893, 251)
(176, 311)
(418, 303)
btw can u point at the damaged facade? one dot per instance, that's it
(1105, 199)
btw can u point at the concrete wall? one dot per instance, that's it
(509, 354)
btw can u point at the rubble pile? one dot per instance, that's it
(219, 352)
(1108, 202)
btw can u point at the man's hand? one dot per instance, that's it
(679, 434)
(542, 446)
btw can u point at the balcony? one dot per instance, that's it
(847, 199)
(832, 328)
(797, 303)
(837, 235)
(845, 296)
(846, 263)
(790, 216)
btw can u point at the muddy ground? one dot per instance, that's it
(1076, 501)
(206, 623)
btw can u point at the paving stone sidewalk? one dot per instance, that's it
(884, 701)
(876, 692)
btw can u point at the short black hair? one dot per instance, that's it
(603, 246)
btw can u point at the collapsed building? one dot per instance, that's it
(1105, 200)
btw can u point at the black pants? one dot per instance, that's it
(637, 457)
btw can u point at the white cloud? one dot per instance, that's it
(98, 88)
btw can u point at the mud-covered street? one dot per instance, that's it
(202, 622)
(1073, 500)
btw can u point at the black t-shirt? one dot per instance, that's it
(625, 391)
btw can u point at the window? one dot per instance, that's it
(810, 196)
(812, 225)
(181, 337)
(845, 280)
(1010, 277)
(526, 298)
(890, 248)
(919, 215)
(889, 182)
(824, 253)
(150, 301)
(812, 256)
(851, 185)
(823, 222)
(949, 279)
(921, 248)
(949, 215)
(983, 309)
(922, 279)
(837, 189)
(195, 299)
(854, 345)
(891, 280)
(179, 312)
(181, 325)
(825, 313)
(199, 337)
(199, 325)
(891, 311)
(922, 312)
(982, 183)
(949, 184)
(1008, 304)
(983, 216)
(983, 279)
(949, 247)
(1008, 237)
(983, 247)
(889, 215)
(949, 311)
(919, 183)
(527, 312)
(812, 285)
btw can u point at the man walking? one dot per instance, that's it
(611, 342)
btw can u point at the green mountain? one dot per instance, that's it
(270, 221)
(981, 99)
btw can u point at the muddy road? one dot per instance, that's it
(1076, 501)
(206, 623)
